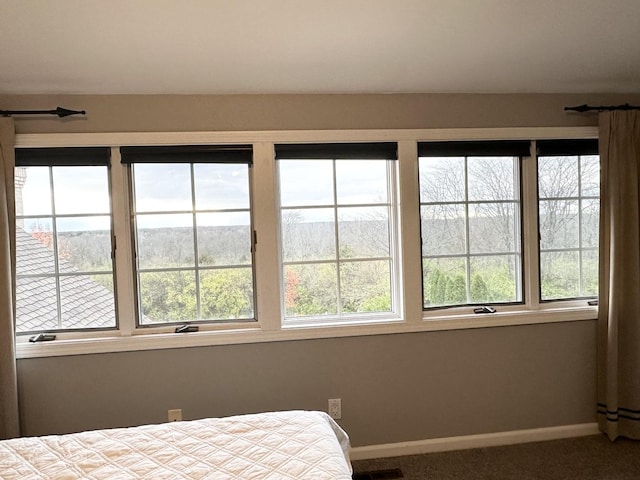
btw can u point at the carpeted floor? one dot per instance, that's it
(583, 458)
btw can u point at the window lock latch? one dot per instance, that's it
(484, 309)
(186, 328)
(42, 337)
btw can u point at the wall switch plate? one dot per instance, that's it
(174, 415)
(335, 408)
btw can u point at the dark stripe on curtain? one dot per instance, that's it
(602, 406)
(619, 417)
(620, 413)
(338, 151)
(567, 147)
(498, 148)
(63, 157)
(188, 154)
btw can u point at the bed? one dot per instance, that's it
(276, 445)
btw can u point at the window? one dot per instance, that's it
(568, 210)
(193, 233)
(470, 213)
(64, 267)
(337, 219)
(279, 241)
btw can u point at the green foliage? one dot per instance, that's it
(311, 290)
(561, 273)
(590, 276)
(436, 288)
(365, 287)
(560, 276)
(456, 291)
(226, 294)
(479, 290)
(445, 284)
(379, 303)
(500, 284)
(168, 296)
(445, 289)
(171, 296)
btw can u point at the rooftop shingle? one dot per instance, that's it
(85, 303)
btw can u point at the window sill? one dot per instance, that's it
(254, 334)
(510, 318)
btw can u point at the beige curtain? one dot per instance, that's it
(9, 419)
(619, 296)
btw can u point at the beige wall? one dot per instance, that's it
(301, 112)
(394, 387)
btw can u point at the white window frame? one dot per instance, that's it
(467, 255)
(196, 268)
(265, 216)
(394, 260)
(125, 261)
(57, 275)
(580, 249)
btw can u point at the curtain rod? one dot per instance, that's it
(609, 108)
(60, 112)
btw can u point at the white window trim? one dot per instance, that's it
(394, 258)
(520, 211)
(579, 197)
(268, 282)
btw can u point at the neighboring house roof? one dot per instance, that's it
(85, 303)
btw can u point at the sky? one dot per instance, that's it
(163, 188)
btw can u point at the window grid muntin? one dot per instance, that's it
(197, 268)
(337, 261)
(336, 232)
(196, 256)
(579, 249)
(467, 235)
(56, 275)
(56, 253)
(467, 255)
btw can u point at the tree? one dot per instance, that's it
(472, 208)
(479, 290)
(456, 291)
(432, 286)
(226, 294)
(292, 280)
(315, 290)
(567, 221)
(168, 296)
(365, 286)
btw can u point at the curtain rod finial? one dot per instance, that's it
(579, 108)
(64, 112)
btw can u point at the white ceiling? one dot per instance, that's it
(319, 46)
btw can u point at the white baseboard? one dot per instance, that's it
(445, 444)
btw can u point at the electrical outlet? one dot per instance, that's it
(174, 415)
(335, 408)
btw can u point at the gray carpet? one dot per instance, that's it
(585, 458)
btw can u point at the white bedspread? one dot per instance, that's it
(280, 445)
